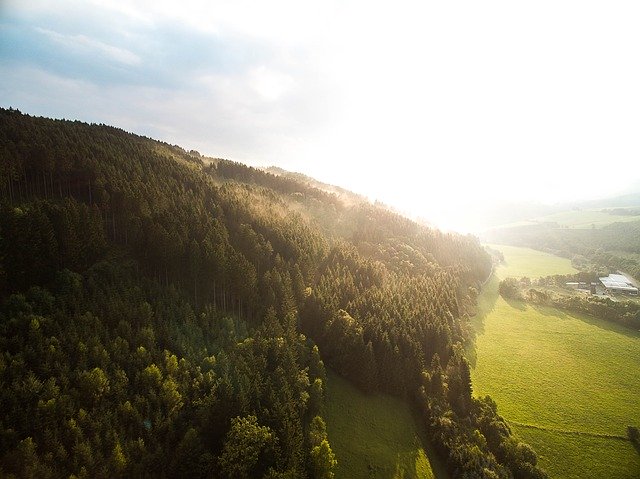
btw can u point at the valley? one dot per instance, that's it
(567, 384)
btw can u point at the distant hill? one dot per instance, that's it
(582, 214)
(626, 200)
(163, 315)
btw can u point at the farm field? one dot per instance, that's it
(581, 219)
(374, 436)
(576, 456)
(574, 219)
(568, 384)
(532, 263)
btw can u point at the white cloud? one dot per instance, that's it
(282, 21)
(91, 46)
(269, 84)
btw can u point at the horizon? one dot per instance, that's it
(438, 111)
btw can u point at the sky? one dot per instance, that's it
(435, 108)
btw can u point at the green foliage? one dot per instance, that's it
(94, 384)
(508, 288)
(118, 460)
(323, 461)
(190, 458)
(247, 450)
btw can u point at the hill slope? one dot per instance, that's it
(153, 303)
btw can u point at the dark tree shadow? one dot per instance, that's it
(519, 304)
(602, 324)
(636, 446)
(486, 303)
(544, 310)
(437, 463)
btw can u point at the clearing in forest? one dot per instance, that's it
(375, 435)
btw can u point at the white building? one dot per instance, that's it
(618, 283)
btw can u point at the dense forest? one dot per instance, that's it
(168, 315)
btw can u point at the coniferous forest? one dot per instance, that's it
(168, 315)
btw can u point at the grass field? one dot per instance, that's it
(582, 219)
(574, 219)
(375, 436)
(529, 262)
(568, 384)
(576, 456)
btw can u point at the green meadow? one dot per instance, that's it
(532, 263)
(568, 384)
(375, 435)
(581, 219)
(577, 456)
(574, 219)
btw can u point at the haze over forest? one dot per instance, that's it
(438, 110)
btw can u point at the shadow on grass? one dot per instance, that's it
(413, 463)
(519, 304)
(377, 435)
(486, 303)
(636, 446)
(607, 325)
(544, 310)
(437, 463)
(591, 320)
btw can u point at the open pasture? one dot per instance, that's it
(568, 384)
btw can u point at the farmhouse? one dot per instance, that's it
(618, 283)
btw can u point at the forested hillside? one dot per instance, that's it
(165, 316)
